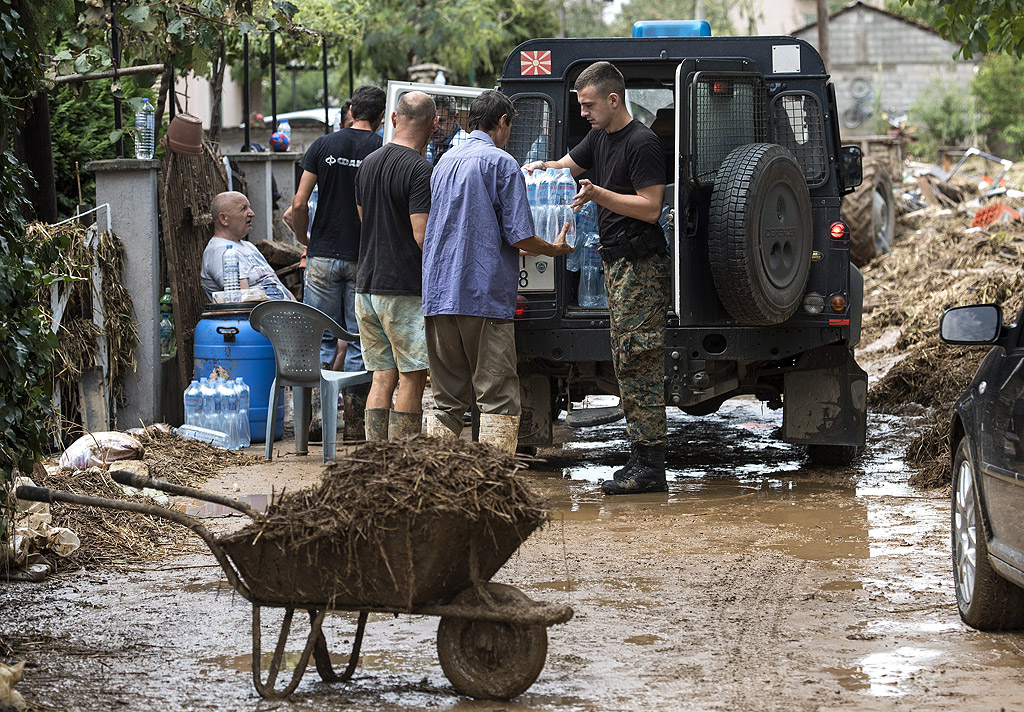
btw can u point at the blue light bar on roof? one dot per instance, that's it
(671, 28)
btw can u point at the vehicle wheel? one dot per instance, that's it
(985, 599)
(760, 236)
(491, 660)
(831, 455)
(870, 213)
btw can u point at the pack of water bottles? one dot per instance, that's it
(550, 193)
(217, 412)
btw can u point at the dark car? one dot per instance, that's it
(987, 443)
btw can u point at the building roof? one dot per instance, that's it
(872, 8)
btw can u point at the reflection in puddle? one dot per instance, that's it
(881, 673)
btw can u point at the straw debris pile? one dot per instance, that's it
(417, 479)
(934, 265)
(124, 539)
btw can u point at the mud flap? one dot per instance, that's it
(825, 399)
(535, 422)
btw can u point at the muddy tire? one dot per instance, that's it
(760, 239)
(490, 660)
(831, 455)
(986, 600)
(870, 213)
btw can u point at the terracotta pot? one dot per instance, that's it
(185, 135)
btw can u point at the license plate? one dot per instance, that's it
(536, 274)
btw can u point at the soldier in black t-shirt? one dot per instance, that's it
(627, 162)
(393, 196)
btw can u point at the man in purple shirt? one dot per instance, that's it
(479, 222)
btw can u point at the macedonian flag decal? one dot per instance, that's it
(535, 62)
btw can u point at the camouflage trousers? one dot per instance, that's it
(637, 301)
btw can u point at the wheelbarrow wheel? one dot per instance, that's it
(491, 660)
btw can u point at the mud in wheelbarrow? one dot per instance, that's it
(491, 638)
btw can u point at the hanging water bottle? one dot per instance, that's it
(565, 191)
(193, 403)
(591, 291)
(231, 284)
(167, 343)
(229, 399)
(144, 130)
(244, 436)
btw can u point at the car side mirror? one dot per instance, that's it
(851, 171)
(974, 325)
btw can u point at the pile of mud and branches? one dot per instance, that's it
(393, 516)
(938, 262)
(118, 539)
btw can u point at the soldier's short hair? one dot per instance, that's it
(604, 77)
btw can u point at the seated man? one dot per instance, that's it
(232, 221)
(447, 133)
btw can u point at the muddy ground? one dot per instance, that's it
(756, 583)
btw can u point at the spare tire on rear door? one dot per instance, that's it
(759, 238)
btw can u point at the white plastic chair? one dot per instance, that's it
(295, 330)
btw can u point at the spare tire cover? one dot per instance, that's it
(760, 234)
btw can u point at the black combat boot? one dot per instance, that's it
(646, 475)
(620, 473)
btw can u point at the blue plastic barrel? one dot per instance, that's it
(224, 338)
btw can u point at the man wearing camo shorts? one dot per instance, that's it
(393, 197)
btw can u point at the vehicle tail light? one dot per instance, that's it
(838, 302)
(721, 87)
(522, 305)
(839, 231)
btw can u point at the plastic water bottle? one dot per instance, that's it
(586, 223)
(206, 435)
(564, 191)
(244, 436)
(229, 400)
(144, 130)
(231, 283)
(314, 198)
(210, 417)
(193, 403)
(531, 194)
(167, 344)
(285, 128)
(591, 291)
(439, 77)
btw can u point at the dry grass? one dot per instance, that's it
(936, 265)
(117, 539)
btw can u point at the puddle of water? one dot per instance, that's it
(649, 639)
(881, 674)
(194, 587)
(209, 510)
(555, 585)
(842, 586)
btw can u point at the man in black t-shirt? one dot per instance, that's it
(330, 164)
(393, 196)
(627, 162)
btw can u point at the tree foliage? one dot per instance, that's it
(26, 342)
(981, 25)
(999, 89)
(472, 37)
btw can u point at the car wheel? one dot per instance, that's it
(985, 599)
(759, 236)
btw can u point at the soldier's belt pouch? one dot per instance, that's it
(636, 245)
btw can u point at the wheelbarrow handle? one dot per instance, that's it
(139, 481)
(45, 494)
